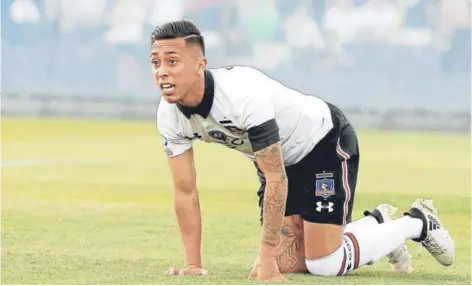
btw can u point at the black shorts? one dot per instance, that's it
(322, 185)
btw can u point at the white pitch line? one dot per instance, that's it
(39, 162)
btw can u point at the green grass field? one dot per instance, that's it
(92, 204)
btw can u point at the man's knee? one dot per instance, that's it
(331, 265)
(331, 253)
(344, 259)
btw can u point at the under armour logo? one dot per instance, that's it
(195, 136)
(320, 206)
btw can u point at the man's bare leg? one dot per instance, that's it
(291, 250)
(322, 239)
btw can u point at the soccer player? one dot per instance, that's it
(306, 155)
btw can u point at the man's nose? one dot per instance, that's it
(161, 72)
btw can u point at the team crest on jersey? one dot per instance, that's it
(324, 188)
(218, 135)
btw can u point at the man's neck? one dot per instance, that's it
(195, 96)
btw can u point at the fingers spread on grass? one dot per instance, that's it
(174, 270)
(193, 271)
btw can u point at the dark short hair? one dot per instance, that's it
(178, 29)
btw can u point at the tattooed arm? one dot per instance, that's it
(271, 163)
(291, 250)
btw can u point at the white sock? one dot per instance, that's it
(366, 245)
(370, 244)
(366, 221)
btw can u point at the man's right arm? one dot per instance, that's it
(186, 203)
(187, 206)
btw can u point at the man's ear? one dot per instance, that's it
(202, 64)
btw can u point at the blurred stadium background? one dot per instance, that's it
(401, 64)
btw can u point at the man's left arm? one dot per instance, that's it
(259, 119)
(270, 161)
(265, 141)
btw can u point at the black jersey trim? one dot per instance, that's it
(203, 109)
(264, 135)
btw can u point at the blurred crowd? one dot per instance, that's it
(372, 53)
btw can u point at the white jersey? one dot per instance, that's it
(246, 110)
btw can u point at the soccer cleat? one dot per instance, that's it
(400, 258)
(434, 237)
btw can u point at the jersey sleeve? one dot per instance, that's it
(257, 110)
(168, 127)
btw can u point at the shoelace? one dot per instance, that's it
(429, 207)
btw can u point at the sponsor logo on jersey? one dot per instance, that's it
(222, 138)
(229, 125)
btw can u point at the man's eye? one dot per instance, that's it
(172, 62)
(155, 63)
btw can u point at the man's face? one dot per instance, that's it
(176, 67)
